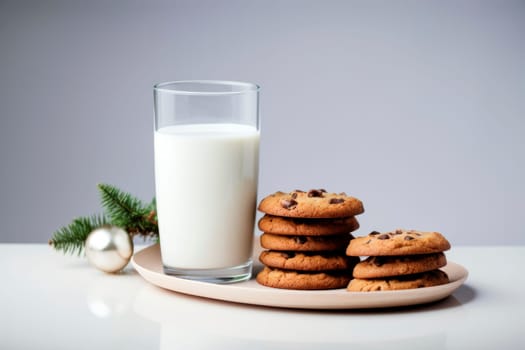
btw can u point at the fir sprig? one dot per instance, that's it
(124, 210)
(71, 238)
(121, 209)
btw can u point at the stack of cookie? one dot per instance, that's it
(305, 235)
(399, 259)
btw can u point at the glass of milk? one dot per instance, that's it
(206, 172)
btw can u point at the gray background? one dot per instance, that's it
(416, 107)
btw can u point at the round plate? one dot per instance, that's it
(148, 264)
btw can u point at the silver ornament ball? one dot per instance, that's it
(109, 248)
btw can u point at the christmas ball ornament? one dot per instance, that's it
(109, 248)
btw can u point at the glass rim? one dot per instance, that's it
(246, 87)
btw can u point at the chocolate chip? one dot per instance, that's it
(322, 190)
(300, 239)
(374, 233)
(336, 200)
(383, 236)
(378, 261)
(287, 255)
(294, 195)
(299, 191)
(288, 203)
(398, 232)
(315, 193)
(409, 238)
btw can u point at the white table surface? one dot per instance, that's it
(54, 301)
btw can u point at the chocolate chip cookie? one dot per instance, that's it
(305, 243)
(306, 261)
(307, 227)
(287, 279)
(425, 279)
(312, 204)
(386, 266)
(398, 242)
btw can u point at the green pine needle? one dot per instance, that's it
(152, 206)
(70, 239)
(128, 212)
(121, 207)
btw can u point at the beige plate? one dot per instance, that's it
(148, 264)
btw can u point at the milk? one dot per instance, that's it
(206, 186)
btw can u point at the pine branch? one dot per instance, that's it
(128, 212)
(121, 209)
(71, 238)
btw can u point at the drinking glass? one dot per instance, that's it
(206, 172)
